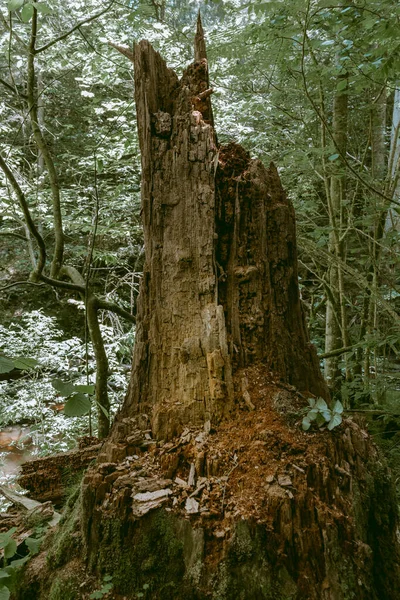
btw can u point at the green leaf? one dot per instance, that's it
(103, 410)
(33, 544)
(321, 404)
(14, 5)
(6, 537)
(10, 549)
(320, 420)
(335, 421)
(42, 8)
(26, 13)
(338, 407)
(333, 157)
(326, 414)
(306, 424)
(95, 595)
(311, 402)
(77, 406)
(25, 363)
(15, 564)
(4, 574)
(328, 43)
(84, 389)
(6, 364)
(107, 577)
(342, 85)
(65, 388)
(4, 593)
(312, 415)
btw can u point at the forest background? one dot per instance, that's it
(310, 85)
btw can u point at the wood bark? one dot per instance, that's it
(336, 322)
(219, 288)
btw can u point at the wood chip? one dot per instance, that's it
(192, 506)
(192, 475)
(284, 480)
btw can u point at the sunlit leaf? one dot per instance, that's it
(64, 388)
(26, 13)
(338, 407)
(77, 406)
(335, 421)
(42, 8)
(25, 363)
(6, 364)
(14, 5)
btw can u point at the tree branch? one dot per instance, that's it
(36, 274)
(336, 352)
(77, 26)
(118, 310)
(42, 147)
(13, 234)
(11, 89)
(10, 285)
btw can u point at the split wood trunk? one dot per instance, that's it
(220, 285)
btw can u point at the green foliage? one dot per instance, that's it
(322, 415)
(105, 588)
(78, 397)
(22, 363)
(60, 371)
(8, 571)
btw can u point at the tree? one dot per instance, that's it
(61, 275)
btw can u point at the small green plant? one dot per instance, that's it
(106, 587)
(9, 547)
(146, 586)
(78, 397)
(322, 415)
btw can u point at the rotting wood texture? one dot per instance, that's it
(220, 289)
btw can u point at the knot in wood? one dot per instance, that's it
(162, 124)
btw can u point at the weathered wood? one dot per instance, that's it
(47, 478)
(28, 505)
(219, 289)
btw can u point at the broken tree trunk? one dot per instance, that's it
(220, 287)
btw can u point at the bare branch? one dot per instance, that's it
(125, 50)
(13, 234)
(15, 35)
(11, 285)
(28, 219)
(118, 310)
(11, 89)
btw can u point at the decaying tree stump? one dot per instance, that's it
(207, 487)
(220, 288)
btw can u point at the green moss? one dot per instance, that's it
(155, 559)
(64, 588)
(67, 541)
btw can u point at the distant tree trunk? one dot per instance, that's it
(336, 323)
(220, 284)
